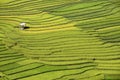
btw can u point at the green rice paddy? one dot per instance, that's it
(65, 40)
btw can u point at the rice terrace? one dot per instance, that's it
(59, 39)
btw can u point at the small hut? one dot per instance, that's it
(22, 26)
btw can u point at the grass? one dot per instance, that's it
(66, 40)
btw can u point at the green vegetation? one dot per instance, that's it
(65, 40)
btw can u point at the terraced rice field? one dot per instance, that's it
(66, 40)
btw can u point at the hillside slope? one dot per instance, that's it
(65, 40)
